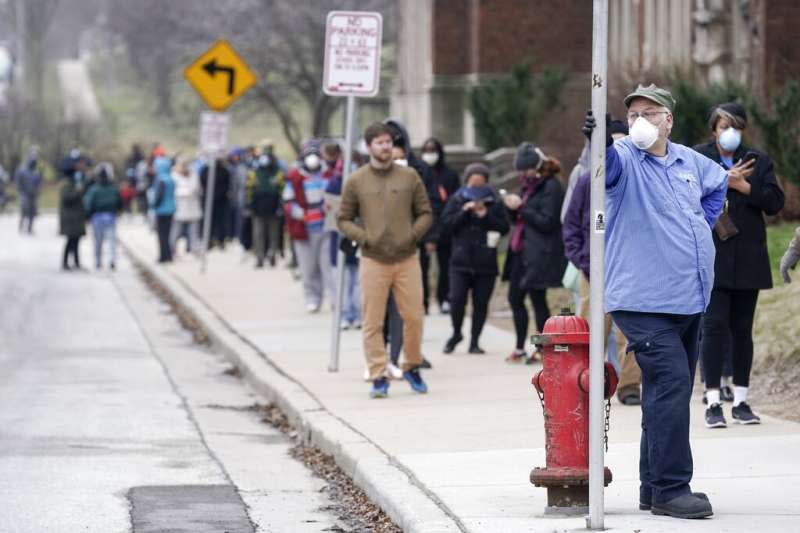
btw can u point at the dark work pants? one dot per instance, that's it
(666, 348)
(728, 329)
(425, 264)
(393, 330)
(481, 286)
(516, 299)
(71, 249)
(163, 228)
(443, 252)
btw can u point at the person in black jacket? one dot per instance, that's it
(742, 265)
(219, 203)
(474, 219)
(446, 182)
(535, 260)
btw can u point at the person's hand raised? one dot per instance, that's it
(738, 174)
(512, 201)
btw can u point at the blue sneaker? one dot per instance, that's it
(380, 388)
(415, 380)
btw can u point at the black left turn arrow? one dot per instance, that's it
(212, 68)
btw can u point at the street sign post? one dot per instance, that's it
(214, 128)
(352, 68)
(220, 76)
(597, 265)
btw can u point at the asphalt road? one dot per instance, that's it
(112, 420)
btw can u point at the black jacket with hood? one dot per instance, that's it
(446, 181)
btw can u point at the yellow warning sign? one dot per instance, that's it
(220, 76)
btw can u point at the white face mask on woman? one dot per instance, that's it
(430, 158)
(312, 161)
(730, 139)
(643, 133)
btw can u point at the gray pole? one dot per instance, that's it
(21, 57)
(333, 366)
(597, 264)
(212, 176)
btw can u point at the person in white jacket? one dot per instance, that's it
(187, 206)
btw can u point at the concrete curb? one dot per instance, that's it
(383, 479)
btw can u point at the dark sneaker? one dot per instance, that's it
(535, 357)
(686, 506)
(726, 394)
(645, 506)
(452, 342)
(380, 388)
(415, 380)
(715, 418)
(426, 364)
(630, 395)
(705, 397)
(475, 349)
(742, 414)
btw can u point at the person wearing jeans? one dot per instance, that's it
(662, 199)
(473, 220)
(102, 204)
(385, 210)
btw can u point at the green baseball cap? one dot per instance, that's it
(658, 95)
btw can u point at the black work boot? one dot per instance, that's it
(685, 506)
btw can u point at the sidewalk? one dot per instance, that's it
(458, 458)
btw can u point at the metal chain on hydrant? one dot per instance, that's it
(541, 398)
(608, 423)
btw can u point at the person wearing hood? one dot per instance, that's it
(445, 183)
(474, 219)
(102, 203)
(535, 259)
(662, 201)
(71, 214)
(220, 203)
(304, 206)
(262, 197)
(28, 179)
(741, 265)
(163, 205)
(427, 245)
(188, 212)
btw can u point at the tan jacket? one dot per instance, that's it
(393, 210)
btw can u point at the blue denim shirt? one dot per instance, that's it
(659, 248)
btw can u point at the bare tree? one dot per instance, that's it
(286, 48)
(32, 19)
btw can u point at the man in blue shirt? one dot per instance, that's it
(662, 199)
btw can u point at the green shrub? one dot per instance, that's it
(506, 109)
(779, 123)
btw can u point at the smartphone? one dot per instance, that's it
(750, 156)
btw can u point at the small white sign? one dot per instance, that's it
(599, 222)
(214, 128)
(352, 53)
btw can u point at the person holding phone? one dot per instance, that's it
(741, 268)
(473, 220)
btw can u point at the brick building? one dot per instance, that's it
(445, 47)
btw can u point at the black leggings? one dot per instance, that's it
(516, 298)
(163, 228)
(481, 286)
(71, 248)
(729, 318)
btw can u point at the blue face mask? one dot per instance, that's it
(483, 192)
(730, 139)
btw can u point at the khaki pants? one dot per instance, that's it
(404, 279)
(631, 375)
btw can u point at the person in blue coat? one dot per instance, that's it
(163, 194)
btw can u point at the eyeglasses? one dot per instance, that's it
(650, 116)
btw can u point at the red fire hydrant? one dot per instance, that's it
(563, 388)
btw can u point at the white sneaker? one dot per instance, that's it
(344, 326)
(312, 308)
(392, 372)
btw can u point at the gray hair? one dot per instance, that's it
(737, 121)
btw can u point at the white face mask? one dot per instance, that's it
(431, 158)
(401, 162)
(643, 133)
(730, 139)
(311, 161)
